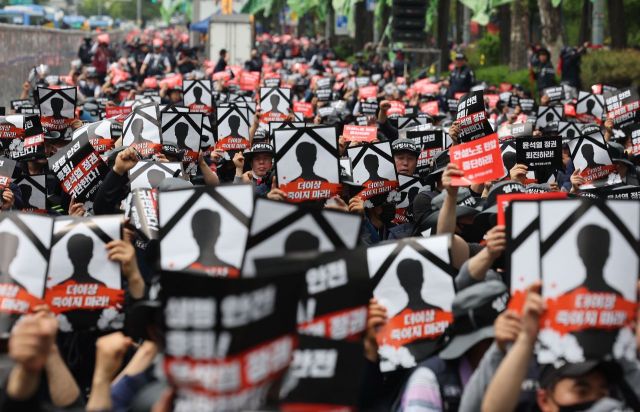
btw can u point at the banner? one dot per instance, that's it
(480, 160)
(226, 341)
(282, 229)
(79, 169)
(306, 162)
(414, 282)
(205, 229)
(84, 287)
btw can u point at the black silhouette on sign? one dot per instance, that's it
(197, 93)
(275, 101)
(589, 156)
(234, 126)
(137, 127)
(80, 251)
(56, 107)
(205, 226)
(411, 277)
(300, 241)
(307, 154)
(181, 131)
(155, 177)
(371, 163)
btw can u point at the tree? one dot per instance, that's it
(519, 34)
(444, 7)
(504, 20)
(551, 26)
(617, 26)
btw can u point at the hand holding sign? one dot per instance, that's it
(31, 341)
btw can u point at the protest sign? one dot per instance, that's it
(480, 160)
(22, 137)
(548, 116)
(396, 108)
(7, 168)
(405, 122)
(568, 131)
(368, 93)
(626, 192)
(369, 108)
(299, 154)
(208, 138)
(275, 103)
(353, 133)
(34, 193)
(408, 188)
(281, 229)
(589, 154)
(622, 106)
(323, 95)
(226, 341)
(142, 130)
(181, 137)
(148, 174)
(233, 127)
(590, 108)
(196, 95)
(589, 269)
(57, 107)
(25, 240)
(430, 139)
(205, 229)
(515, 130)
(79, 169)
(413, 280)
(556, 94)
(142, 211)
(632, 132)
(324, 375)
(84, 287)
(303, 107)
(472, 117)
(539, 152)
(101, 134)
(249, 81)
(119, 113)
(373, 169)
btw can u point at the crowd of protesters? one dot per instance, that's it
(487, 364)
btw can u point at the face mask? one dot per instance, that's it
(578, 407)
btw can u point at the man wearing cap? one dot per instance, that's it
(438, 382)
(155, 62)
(581, 386)
(462, 77)
(405, 156)
(261, 159)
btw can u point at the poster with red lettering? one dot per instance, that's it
(141, 208)
(197, 95)
(368, 93)
(227, 341)
(480, 160)
(205, 229)
(373, 169)
(275, 103)
(119, 113)
(233, 127)
(84, 287)
(142, 130)
(249, 81)
(354, 133)
(589, 266)
(79, 169)
(622, 106)
(57, 107)
(181, 138)
(307, 162)
(414, 281)
(303, 107)
(7, 167)
(22, 137)
(282, 229)
(632, 132)
(590, 156)
(472, 117)
(25, 240)
(590, 107)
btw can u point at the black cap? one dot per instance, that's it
(260, 147)
(405, 145)
(467, 205)
(550, 374)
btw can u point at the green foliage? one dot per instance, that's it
(494, 75)
(613, 67)
(119, 9)
(484, 52)
(344, 49)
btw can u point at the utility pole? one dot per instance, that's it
(597, 27)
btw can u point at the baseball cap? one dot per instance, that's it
(405, 145)
(550, 373)
(466, 205)
(474, 311)
(260, 147)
